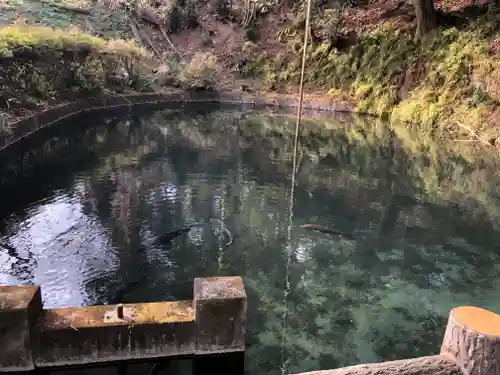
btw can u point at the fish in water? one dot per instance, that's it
(323, 229)
(166, 238)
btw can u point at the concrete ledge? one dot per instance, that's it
(19, 308)
(33, 337)
(95, 334)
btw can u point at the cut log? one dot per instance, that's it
(432, 365)
(149, 16)
(472, 339)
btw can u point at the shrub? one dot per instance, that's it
(39, 65)
(200, 72)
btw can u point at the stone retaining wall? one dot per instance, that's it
(29, 125)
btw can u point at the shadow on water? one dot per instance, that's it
(79, 206)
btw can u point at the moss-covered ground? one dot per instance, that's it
(447, 84)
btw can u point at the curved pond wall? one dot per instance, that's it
(29, 125)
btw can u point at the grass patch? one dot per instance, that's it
(108, 22)
(18, 39)
(41, 65)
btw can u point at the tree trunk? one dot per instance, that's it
(426, 16)
(472, 339)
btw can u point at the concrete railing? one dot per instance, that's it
(471, 346)
(31, 337)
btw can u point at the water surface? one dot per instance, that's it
(77, 207)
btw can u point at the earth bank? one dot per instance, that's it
(363, 54)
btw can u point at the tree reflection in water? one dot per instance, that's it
(426, 227)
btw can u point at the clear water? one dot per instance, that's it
(426, 228)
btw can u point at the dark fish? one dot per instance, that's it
(322, 229)
(166, 238)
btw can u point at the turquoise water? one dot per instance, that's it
(77, 207)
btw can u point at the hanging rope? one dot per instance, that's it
(284, 360)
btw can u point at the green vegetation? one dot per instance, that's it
(41, 66)
(20, 39)
(51, 54)
(431, 87)
(446, 81)
(437, 83)
(108, 22)
(438, 73)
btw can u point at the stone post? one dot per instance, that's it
(20, 306)
(220, 305)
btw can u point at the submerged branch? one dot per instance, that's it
(225, 229)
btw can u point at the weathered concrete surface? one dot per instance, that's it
(220, 308)
(33, 337)
(19, 308)
(95, 334)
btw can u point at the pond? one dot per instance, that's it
(78, 206)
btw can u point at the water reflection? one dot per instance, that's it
(426, 229)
